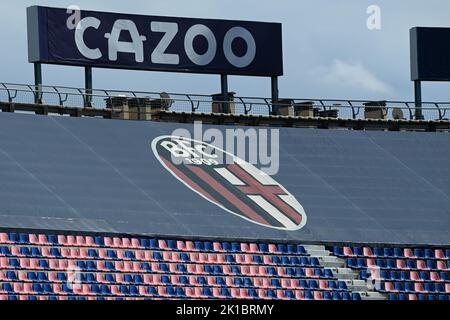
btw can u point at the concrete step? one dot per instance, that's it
(314, 248)
(345, 273)
(370, 295)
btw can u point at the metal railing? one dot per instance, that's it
(196, 103)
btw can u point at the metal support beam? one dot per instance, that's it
(418, 99)
(88, 86)
(38, 83)
(275, 94)
(224, 92)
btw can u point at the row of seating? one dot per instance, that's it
(441, 276)
(419, 253)
(412, 287)
(166, 268)
(401, 264)
(152, 244)
(171, 291)
(98, 278)
(151, 256)
(404, 296)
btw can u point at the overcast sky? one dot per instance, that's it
(328, 50)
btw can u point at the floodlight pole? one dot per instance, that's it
(418, 99)
(37, 83)
(224, 92)
(88, 87)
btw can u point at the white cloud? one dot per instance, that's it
(352, 76)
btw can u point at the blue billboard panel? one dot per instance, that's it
(112, 40)
(430, 52)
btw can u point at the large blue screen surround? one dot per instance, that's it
(113, 40)
(94, 175)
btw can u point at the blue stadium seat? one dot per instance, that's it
(110, 278)
(14, 263)
(332, 285)
(104, 289)
(92, 253)
(235, 247)
(352, 263)
(342, 285)
(36, 287)
(313, 284)
(357, 251)
(166, 280)
(153, 244)
(404, 275)
(276, 260)
(315, 262)
(281, 248)
(11, 275)
(299, 272)
(304, 261)
(199, 246)
(385, 275)
(181, 268)
(112, 254)
(346, 296)
(130, 255)
(363, 274)
(226, 246)
(208, 246)
(25, 251)
(447, 253)
(185, 257)
(276, 283)
(13, 237)
(393, 296)
(318, 272)
(31, 276)
(258, 259)
(361, 263)
(271, 294)
(52, 239)
(398, 253)
(398, 286)
(7, 287)
(387, 252)
(95, 289)
(431, 264)
(395, 275)
(356, 296)
(47, 288)
(444, 276)
(424, 275)
(263, 248)
(171, 244)
(82, 265)
(235, 270)
(309, 295)
(290, 294)
(429, 286)
(391, 264)
(443, 297)
(301, 250)
(91, 266)
(42, 277)
(432, 297)
(378, 252)
(5, 251)
(429, 253)
(225, 292)
(291, 249)
(337, 296)
(157, 256)
(409, 286)
(286, 261)
(207, 292)
(152, 291)
(381, 263)
(410, 264)
(179, 292)
(61, 276)
(124, 290)
(129, 278)
(418, 253)
(12, 298)
(109, 265)
(252, 293)
(90, 278)
(24, 238)
(99, 241)
(422, 297)
(304, 284)
(403, 296)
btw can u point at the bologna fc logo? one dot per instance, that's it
(231, 183)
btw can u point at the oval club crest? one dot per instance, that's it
(229, 182)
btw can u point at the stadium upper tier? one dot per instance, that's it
(96, 175)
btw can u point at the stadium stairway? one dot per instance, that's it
(342, 273)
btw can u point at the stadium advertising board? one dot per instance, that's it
(430, 52)
(112, 40)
